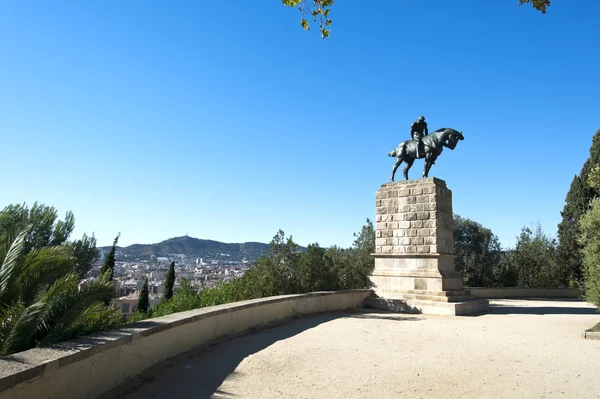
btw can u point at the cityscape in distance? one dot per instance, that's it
(202, 262)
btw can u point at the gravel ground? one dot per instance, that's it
(521, 349)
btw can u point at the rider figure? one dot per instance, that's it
(418, 130)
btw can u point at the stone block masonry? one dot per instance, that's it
(414, 217)
(414, 251)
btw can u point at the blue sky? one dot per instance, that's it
(225, 120)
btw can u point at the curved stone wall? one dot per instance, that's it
(90, 366)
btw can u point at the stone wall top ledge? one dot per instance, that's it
(426, 180)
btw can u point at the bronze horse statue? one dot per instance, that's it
(433, 144)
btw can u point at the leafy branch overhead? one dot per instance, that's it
(539, 5)
(319, 9)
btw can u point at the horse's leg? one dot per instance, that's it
(409, 161)
(427, 166)
(398, 162)
(429, 161)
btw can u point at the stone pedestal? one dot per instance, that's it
(414, 262)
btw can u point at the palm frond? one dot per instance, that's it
(7, 323)
(41, 267)
(96, 317)
(69, 306)
(10, 264)
(21, 327)
(24, 330)
(62, 290)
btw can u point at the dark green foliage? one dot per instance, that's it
(354, 265)
(40, 300)
(144, 299)
(97, 317)
(46, 230)
(276, 273)
(186, 298)
(577, 203)
(507, 273)
(482, 262)
(478, 253)
(286, 270)
(590, 242)
(41, 220)
(85, 253)
(362, 256)
(315, 271)
(535, 259)
(108, 267)
(169, 281)
(569, 250)
(284, 259)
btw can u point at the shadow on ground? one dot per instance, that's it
(199, 374)
(518, 308)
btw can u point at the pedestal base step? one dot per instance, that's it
(472, 306)
(422, 295)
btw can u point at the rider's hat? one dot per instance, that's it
(421, 118)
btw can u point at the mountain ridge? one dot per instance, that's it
(196, 247)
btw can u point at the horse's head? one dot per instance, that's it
(454, 138)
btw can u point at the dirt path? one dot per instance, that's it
(522, 349)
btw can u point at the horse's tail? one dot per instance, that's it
(397, 151)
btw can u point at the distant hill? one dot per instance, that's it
(195, 247)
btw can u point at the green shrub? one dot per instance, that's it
(535, 260)
(590, 241)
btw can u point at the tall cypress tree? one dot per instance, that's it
(144, 300)
(577, 203)
(170, 281)
(109, 261)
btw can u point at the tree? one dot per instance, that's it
(85, 252)
(170, 281)
(535, 258)
(315, 270)
(143, 300)
(108, 267)
(341, 263)
(362, 252)
(478, 253)
(320, 9)
(590, 242)
(594, 177)
(283, 259)
(40, 299)
(47, 230)
(353, 266)
(577, 203)
(507, 273)
(275, 273)
(44, 228)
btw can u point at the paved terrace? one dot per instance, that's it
(521, 349)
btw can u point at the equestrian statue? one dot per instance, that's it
(423, 145)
